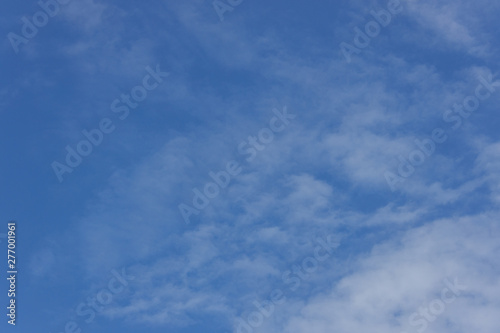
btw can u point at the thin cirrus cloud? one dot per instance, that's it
(323, 175)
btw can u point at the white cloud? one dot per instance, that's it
(399, 276)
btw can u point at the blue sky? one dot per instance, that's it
(401, 220)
